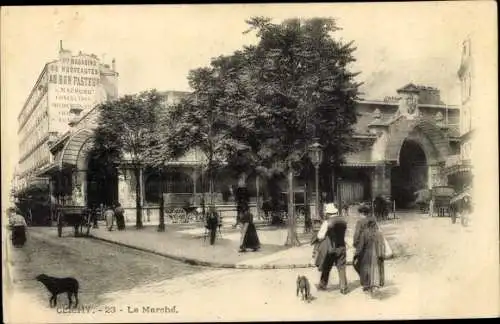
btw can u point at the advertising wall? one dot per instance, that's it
(74, 82)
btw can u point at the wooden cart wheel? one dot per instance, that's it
(180, 215)
(192, 216)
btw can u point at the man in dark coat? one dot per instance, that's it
(332, 250)
(120, 217)
(212, 222)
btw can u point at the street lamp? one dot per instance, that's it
(316, 155)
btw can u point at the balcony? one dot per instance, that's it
(455, 164)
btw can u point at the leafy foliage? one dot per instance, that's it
(126, 126)
(125, 133)
(304, 89)
(35, 199)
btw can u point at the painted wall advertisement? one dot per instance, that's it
(73, 83)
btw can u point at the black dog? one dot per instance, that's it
(303, 287)
(58, 286)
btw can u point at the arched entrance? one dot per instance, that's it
(102, 181)
(416, 150)
(410, 175)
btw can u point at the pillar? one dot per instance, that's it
(78, 188)
(194, 177)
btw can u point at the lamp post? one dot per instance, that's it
(316, 155)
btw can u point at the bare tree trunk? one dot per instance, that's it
(211, 188)
(138, 207)
(161, 226)
(292, 238)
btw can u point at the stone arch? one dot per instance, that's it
(74, 156)
(432, 139)
(75, 152)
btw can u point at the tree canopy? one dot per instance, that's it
(263, 104)
(125, 133)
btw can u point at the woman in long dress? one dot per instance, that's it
(18, 226)
(249, 238)
(109, 214)
(369, 257)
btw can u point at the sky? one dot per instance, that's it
(156, 46)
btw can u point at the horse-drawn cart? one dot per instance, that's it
(440, 203)
(77, 217)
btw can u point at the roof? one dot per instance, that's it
(410, 87)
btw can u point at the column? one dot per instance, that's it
(78, 188)
(194, 177)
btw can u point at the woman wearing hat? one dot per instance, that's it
(332, 249)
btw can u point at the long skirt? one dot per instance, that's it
(249, 238)
(109, 221)
(370, 269)
(18, 235)
(120, 221)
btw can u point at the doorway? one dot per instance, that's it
(102, 182)
(410, 175)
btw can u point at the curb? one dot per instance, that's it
(217, 265)
(197, 262)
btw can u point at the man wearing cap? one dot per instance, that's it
(332, 248)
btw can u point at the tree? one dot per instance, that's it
(302, 88)
(34, 203)
(125, 131)
(200, 122)
(259, 108)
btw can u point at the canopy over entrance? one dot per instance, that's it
(434, 141)
(74, 153)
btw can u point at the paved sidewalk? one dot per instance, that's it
(187, 243)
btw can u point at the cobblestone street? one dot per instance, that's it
(422, 282)
(100, 267)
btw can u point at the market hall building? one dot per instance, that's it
(405, 141)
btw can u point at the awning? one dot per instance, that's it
(71, 154)
(48, 170)
(458, 168)
(76, 148)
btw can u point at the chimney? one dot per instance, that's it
(60, 45)
(113, 65)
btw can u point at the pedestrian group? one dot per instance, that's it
(330, 250)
